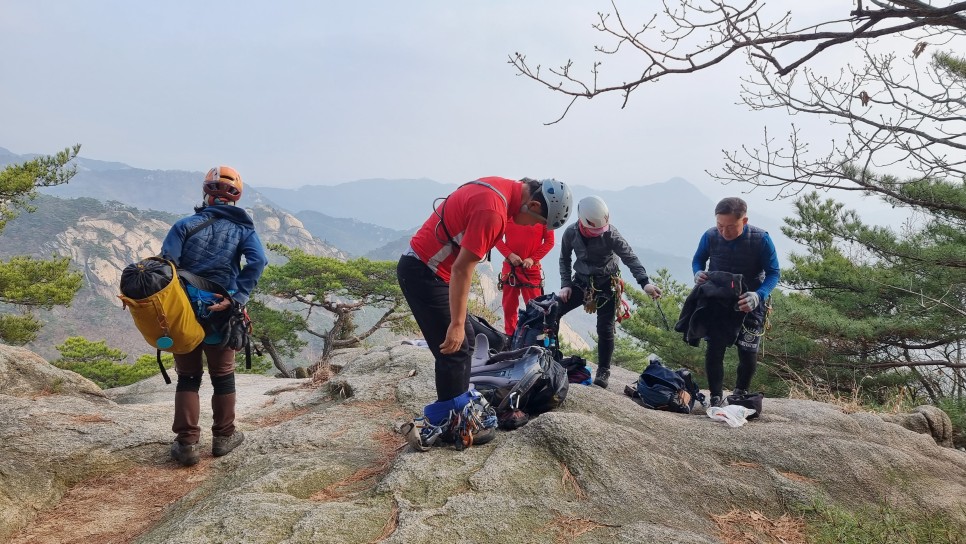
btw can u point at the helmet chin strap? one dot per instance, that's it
(210, 200)
(526, 209)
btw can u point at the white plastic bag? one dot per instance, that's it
(733, 415)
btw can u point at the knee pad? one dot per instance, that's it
(223, 385)
(188, 384)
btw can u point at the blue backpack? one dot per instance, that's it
(661, 388)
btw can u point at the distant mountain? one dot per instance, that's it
(355, 237)
(175, 191)
(399, 204)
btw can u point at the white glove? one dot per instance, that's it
(564, 294)
(748, 301)
(700, 277)
(653, 291)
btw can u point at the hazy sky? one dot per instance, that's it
(295, 93)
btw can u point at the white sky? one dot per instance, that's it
(303, 92)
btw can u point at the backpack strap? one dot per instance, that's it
(196, 229)
(442, 210)
(164, 372)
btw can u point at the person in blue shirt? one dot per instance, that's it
(211, 244)
(735, 246)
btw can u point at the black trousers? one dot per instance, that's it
(749, 329)
(606, 317)
(428, 298)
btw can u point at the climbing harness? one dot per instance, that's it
(511, 279)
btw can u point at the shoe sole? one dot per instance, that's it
(412, 437)
(484, 436)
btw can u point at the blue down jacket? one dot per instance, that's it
(215, 251)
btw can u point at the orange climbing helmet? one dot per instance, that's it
(223, 183)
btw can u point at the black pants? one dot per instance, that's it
(428, 298)
(749, 329)
(606, 317)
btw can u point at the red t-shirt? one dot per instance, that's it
(527, 241)
(475, 216)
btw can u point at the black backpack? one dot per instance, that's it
(538, 325)
(497, 340)
(521, 384)
(661, 388)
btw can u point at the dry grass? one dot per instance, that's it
(387, 446)
(373, 408)
(569, 528)
(90, 418)
(798, 477)
(737, 527)
(275, 419)
(848, 404)
(390, 527)
(570, 483)
(116, 508)
(322, 374)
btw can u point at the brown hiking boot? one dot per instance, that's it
(222, 445)
(185, 454)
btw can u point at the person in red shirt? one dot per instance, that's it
(524, 247)
(435, 273)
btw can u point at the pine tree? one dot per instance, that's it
(27, 284)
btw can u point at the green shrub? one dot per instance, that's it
(956, 408)
(260, 364)
(884, 523)
(108, 374)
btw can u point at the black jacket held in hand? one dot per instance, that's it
(712, 305)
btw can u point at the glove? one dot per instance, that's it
(748, 301)
(652, 290)
(700, 277)
(564, 294)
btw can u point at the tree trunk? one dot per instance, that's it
(273, 353)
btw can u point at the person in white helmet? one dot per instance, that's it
(593, 246)
(435, 273)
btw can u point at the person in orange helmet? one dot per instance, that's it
(210, 244)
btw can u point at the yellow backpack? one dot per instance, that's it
(165, 318)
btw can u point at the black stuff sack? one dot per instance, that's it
(748, 400)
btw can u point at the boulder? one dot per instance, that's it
(322, 463)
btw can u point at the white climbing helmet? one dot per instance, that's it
(593, 213)
(559, 202)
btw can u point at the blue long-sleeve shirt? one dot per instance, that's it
(768, 255)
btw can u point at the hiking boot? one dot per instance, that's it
(602, 377)
(716, 402)
(222, 445)
(185, 454)
(739, 392)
